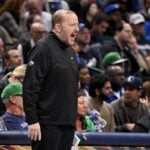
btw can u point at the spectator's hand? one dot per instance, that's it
(145, 100)
(34, 131)
(129, 126)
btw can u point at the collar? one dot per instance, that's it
(60, 43)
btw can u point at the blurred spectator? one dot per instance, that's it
(87, 121)
(84, 78)
(37, 31)
(17, 75)
(87, 12)
(113, 11)
(144, 71)
(36, 7)
(87, 55)
(13, 7)
(118, 44)
(9, 23)
(100, 23)
(14, 117)
(11, 57)
(129, 109)
(99, 90)
(137, 21)
(117, 78)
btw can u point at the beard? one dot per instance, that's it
(103, 97)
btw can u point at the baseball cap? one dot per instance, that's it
(82, 26)
(113, 58)
(134, 82)
(12, 89)
(136, 18)
(20, 70)
(111, 8)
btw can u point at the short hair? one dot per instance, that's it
(6, 102)
(97, 82)
(98, 18)
(119, 26)
(58, 16)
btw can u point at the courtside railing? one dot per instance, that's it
(87, 139)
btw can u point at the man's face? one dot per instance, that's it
(69, 28)
(38, 32)
(118, 77)
(132, 95)
(84, 36)
(126, 33)
(82, 106)
(14, 57)
(106, 91)
(102, 27)
(138, 29)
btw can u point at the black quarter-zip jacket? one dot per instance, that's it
(50, 84)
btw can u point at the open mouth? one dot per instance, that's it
(73, 35)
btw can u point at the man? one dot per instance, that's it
(116, 77)
(14, 117)
(51, 85)
(37, 31)
(137, 22)
(11, 58)
(17, 75)
(129, 109)
(99, 90)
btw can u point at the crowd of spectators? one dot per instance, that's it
(113, 53)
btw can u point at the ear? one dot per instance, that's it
(12, 99)
(97, 91)
(58, 28)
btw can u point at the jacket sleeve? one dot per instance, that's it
(36, 71)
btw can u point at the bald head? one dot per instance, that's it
(111, 70)
(60, 16)
(37, 31)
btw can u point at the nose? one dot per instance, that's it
(77, 28)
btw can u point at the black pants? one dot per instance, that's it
(55, 138)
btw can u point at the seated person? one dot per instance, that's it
(14, 117)
(88, 120)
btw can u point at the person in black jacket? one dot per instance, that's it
(51, 84)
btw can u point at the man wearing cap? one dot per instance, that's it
(137, 22)
(16, 76)
(113, 10)
(129, 109)
(89, 56)
(113, 58)
(14, 117)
